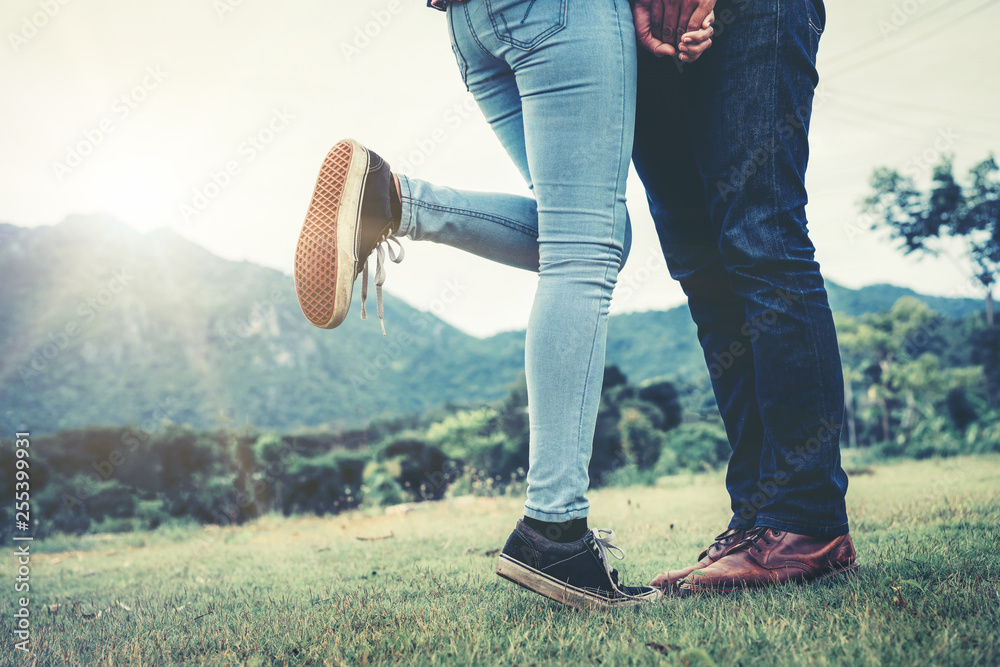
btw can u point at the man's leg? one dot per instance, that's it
(749, 106)
(665, 161)
(747, 103)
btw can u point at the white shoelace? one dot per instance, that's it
(380, 248)
(605, 547)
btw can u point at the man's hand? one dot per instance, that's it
(660, 24)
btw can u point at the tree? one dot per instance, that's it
(875, 344)
(663, 395)
(641, 439)
(920, 219)
(905, 384)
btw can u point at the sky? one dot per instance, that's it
(212, 117)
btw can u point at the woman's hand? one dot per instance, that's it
(693, 44)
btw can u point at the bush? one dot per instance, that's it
(983, 437)
(207, 500)
(379, 485)
(151, 513)
(422, 469)
(667, 463)
(62, 503)
(699, 445)
(323, 484)
(641, 439)
(475, 439)
(664, 396)
(111, 499)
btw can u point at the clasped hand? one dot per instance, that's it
(681, 28)
(674, 27)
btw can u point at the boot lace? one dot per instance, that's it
(753, 540)
(725, 538)
(721, 541)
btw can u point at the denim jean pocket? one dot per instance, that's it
(818, 20)
(525, 24)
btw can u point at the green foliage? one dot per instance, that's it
(985, 344)
(422, 469)
(667, 464)
(469, 435)
(641, 440)
(111, 499)
(699, 445)
(61, 504)
(380, 485)
(664, 395)
(270, 449)
(919, 219)
(323, 484)
(901, 395)
(607, 454)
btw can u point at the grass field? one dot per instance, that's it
(321, 591)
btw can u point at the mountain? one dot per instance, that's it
(106, 325)
(873, 298)
(103, 324)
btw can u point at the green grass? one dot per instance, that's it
(307, 591)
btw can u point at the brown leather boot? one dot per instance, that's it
(723, 545)
(768, 556)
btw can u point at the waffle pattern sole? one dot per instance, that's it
(325, 261)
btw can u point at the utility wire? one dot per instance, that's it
(907, 44)
(867, 114)
(837, 93)
(882, 40)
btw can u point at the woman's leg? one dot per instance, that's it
(499, 227)
(557, 84)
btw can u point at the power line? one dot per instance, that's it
(907, 44)
(882, 40)
(913, 106)
(854, 114)
(879, 122)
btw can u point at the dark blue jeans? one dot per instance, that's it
(721, 146)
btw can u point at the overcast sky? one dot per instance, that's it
(134, 108)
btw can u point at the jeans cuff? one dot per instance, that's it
(739, 523)
(557, 517)
(810, 529)
(407, 222)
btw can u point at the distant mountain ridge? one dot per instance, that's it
(104, 324)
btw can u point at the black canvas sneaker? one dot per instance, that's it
(577, 574)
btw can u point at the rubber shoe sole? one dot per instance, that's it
(560, 591)
(326, 255)
(685, 589)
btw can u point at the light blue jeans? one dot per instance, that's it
(556, 81)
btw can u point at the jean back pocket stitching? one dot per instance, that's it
(463, 64)
(527, 11)
(512, 41)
